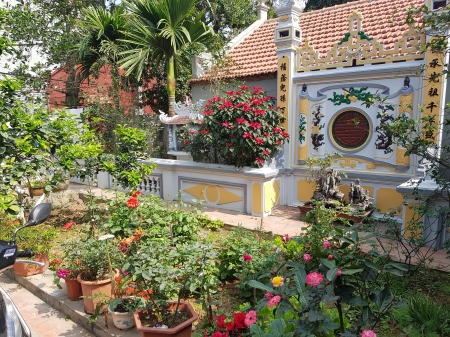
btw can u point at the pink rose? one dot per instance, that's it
(268, 296)
(307, 258)
(314, 279)
(247, 258)
(339, 272)
(368, 333)
(274, 301)
(330, 257)
(326, 244)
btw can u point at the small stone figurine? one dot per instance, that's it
(359, 196)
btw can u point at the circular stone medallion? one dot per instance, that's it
(350, 130)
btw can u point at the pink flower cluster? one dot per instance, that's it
(62, 273)
(247, 258)
(368, 333)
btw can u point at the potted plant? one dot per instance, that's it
(95, 276)
(36, 186)
(121, 304)
(67, 267)
(165, 269)
(39, 241)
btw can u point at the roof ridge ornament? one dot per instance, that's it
(357, 48)
(284, 3)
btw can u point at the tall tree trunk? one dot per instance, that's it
(171, 84)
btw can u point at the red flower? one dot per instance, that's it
(136, 194)
(208, 112)
(230, 93)
(259, 160)
(243, 87)
(276, 130)
(258, 112)
(205, 132)
(259, 140)
(229, 144)
(255, 125)
(186, 142)
(266, 152)
(229, 326)
(239, 320)
(225, 124)
(256, 90)
(226, 104)
(221, 321)
(247, 258)
(285, 134)
(192, 132)
(247, 135)
(69, 225)
(132, 202)
(256, 101)
(241, 120)
(238, 93)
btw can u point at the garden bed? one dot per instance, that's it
(433, 284)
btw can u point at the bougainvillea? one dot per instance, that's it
(241, 129)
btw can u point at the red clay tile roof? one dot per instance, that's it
(383, 19)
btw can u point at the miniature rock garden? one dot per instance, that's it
(155, 261)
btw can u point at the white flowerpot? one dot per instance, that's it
(122, 320)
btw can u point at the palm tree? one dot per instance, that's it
(158, 30)
(100, 45)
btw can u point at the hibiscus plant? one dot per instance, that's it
(242, 128)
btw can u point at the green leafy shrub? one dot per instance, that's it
(150, 214)
(232, 249)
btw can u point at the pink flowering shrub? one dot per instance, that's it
(240, 128)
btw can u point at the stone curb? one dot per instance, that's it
(42, 287)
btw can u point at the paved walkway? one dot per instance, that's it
(47, 314)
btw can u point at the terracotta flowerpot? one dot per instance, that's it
(27, 269)
(182, 330)
(73, 288)
(37, 191)
(122, 320)
(91, 288)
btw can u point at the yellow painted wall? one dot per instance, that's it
(410, 220)
(388, 198)
(257, 198)
(271, 195)
(305, 190)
